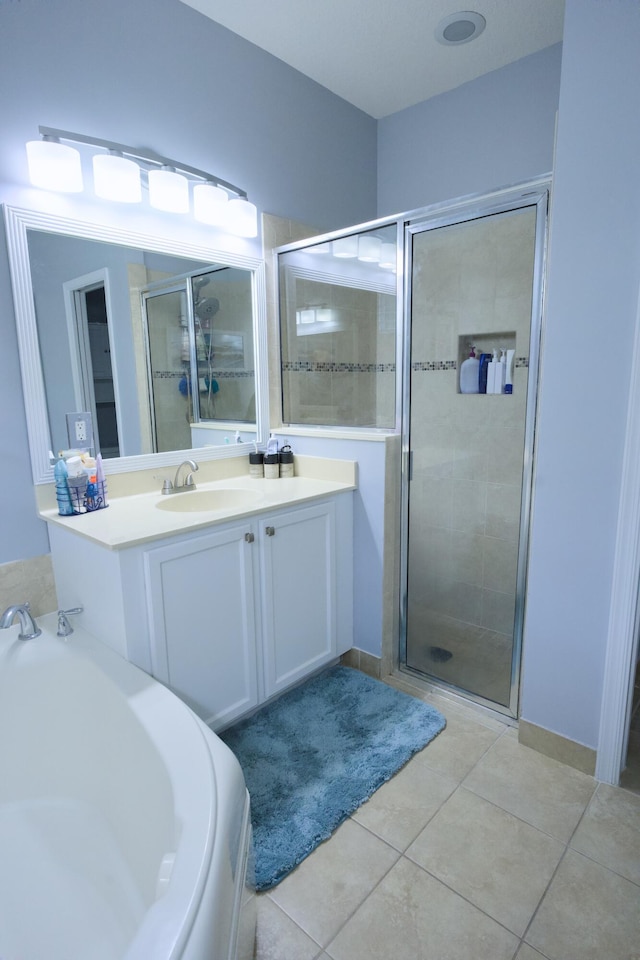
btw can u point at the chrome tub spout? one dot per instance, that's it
(28, 627)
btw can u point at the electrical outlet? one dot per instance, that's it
(80, 429)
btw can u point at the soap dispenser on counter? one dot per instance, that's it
(272, 460)
(286, 461)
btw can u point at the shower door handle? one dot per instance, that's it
(409, 464)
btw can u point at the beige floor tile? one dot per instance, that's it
(325, 889)
(278, 937)
(588, 913)
(496, 861)
(528, 953)
(456, 750)
(610, 831)
(412, 916)
(542, 791)
(399, 810)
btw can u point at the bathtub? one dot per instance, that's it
(124, 821)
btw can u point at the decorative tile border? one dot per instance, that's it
(217, 374)
(434, 365)
(308, 366)
(429, 365)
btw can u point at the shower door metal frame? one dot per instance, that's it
(534, 194)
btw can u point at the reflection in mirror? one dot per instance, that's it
(164, 344)
(199, 341)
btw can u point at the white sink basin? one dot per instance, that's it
(200, 501)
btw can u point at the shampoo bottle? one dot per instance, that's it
(469, 373)
(500, 372)
(492, 374)
(508, 373)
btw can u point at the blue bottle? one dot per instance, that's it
(60, 474)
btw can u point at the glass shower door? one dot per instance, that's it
(472, 290)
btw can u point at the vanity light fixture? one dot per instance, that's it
(118, 174)
(210, 204)
(369, 249)
(388, 256)
(345, 248)
(168, 190)
(116, 178)
(54, 165)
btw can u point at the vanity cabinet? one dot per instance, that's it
(227, 616)
(202, 622)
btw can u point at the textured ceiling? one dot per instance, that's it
(381, 55)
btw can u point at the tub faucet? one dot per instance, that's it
(64, 627)
(188, 484)
(28, 627)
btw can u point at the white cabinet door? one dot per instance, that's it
(298, 593)
(201, 602)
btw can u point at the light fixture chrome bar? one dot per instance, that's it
(139, 153)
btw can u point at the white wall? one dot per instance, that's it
(592, 299)
(492, 132)
(368, 528)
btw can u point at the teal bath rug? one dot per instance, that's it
(315, 755)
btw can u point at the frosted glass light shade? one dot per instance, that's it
(168, 190)
(306, 315)
(242, 218)
(210, 204)
(116, 178)
(388, 255)
(345, 248)
(369, 249)
(54, 166)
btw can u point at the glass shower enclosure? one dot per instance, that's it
(473, 304)
(435, 338)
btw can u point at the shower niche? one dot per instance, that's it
(474, 378)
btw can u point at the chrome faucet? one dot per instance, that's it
(64, 627)
(28, 627)
(176, 486)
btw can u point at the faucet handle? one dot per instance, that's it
(64, 627)
(167, 487)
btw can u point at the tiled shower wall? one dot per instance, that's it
(29, 580)
(471, 279)
(346, 376)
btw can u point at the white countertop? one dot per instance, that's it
(141, 517)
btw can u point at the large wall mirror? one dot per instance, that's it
(163, 342)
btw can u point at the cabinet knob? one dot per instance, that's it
(249, 537)
(270, 531)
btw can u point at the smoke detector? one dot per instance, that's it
(460, 28)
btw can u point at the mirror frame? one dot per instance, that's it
(17, 222)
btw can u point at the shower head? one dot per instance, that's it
(207, 308)
(199, 283)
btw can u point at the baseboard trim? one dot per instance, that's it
(557, 747)
(365, 662)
